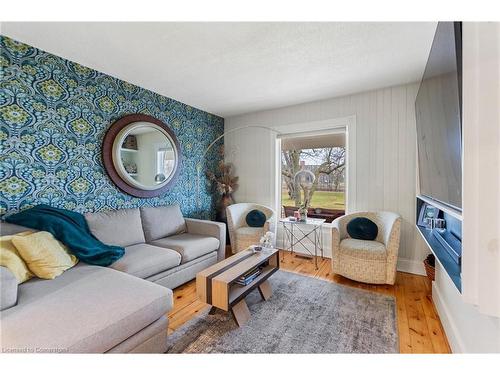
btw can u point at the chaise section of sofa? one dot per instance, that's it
(88, 309)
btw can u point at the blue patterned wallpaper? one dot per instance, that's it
(53, 117)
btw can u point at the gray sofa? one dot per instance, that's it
(120, 308)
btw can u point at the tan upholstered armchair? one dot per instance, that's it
(367, 261)
(240, 234)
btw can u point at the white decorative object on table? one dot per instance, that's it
(267, 240)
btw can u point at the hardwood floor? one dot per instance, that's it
(420, 329)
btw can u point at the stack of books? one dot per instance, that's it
(248, 277)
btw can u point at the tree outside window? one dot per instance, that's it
(328, 167)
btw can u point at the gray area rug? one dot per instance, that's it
(304, 315)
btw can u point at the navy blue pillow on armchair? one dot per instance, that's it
(256, 218)
(362, 228)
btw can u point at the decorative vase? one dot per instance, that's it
(220, 214)
(303, 214)
(226, 200)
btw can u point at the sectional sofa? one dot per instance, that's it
(121, 308)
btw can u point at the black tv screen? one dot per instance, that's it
(438, 114)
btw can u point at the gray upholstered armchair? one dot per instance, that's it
(367, 261)
(241, 235)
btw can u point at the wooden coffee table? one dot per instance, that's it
(217, 285)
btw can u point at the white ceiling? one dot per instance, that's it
(234, 68)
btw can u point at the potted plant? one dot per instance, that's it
(303, 212)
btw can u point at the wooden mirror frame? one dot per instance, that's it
(107, 156)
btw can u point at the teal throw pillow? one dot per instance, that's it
(362, 228)
(256, 218)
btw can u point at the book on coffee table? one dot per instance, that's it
(248, 277)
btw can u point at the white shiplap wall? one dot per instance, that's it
(385, 154)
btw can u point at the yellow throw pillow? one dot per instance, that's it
(46, 257)
(10, 258)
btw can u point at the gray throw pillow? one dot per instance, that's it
(117, 227)
(162, 221)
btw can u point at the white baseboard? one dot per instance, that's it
(449, 326)
(411, 266)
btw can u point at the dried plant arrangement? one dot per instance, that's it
(223, 180)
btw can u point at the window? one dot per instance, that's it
(325, 158)
(164, 164)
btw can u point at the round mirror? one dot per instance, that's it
(144, 155)
(141, 155)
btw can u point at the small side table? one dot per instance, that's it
(302, 232)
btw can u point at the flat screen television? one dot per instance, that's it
(438, 108)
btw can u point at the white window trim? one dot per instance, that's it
(343, 124)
